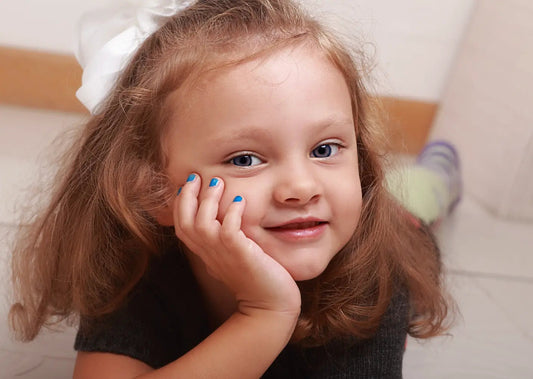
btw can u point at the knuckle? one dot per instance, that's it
(228, 236)
(202, 229)
(225, 232)
(185, 226)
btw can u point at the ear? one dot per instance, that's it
(164, 215)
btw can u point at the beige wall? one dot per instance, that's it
(414, 40)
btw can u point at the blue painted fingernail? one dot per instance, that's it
(179, 190)
(213, 182)
(237, 199)
(191, 178)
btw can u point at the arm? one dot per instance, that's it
(268, 300)
(243, 347)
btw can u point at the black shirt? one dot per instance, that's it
(165, 317)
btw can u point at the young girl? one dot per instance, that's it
(224, 212)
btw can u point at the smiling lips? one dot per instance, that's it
(299, 230)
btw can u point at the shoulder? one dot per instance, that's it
(378, 357)
(161, 320)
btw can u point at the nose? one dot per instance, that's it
(297, 184)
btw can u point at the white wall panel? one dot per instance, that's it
(413, 41)
(43, 24)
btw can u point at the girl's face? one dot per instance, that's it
(280, 132)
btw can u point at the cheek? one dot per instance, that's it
(348, 203)
(253, 202)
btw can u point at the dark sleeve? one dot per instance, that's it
(136, 330)
(155, 325)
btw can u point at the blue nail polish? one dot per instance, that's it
(213, 182)
(179, 190)
(191, 178)
(237, 199)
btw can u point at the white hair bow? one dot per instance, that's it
(109, 38)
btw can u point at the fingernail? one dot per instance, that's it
(237, 199)
(191, 178)
(179, 191)
(213, 182)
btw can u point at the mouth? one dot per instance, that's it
(298, 225)
(299, 230)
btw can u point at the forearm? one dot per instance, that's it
(243, 347)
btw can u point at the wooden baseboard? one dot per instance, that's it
(47, 80)
(39, 79)
(408, 123)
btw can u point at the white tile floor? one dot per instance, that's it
(489, 263)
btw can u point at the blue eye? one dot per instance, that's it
(245, 160)
(325, 150)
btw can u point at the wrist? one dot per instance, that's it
(279, 318)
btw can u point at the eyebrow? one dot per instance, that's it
(335, 120)
(253, 132)
(247, 133)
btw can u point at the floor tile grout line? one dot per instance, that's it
(504, 310)
(486, 275)
(9, 224)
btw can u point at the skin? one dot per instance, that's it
(278, 132)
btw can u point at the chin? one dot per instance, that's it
(308, 273)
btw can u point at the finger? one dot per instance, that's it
(186, 204)
(182, 211)
(206, 217)
(230, 231)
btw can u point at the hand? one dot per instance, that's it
(258, 281)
